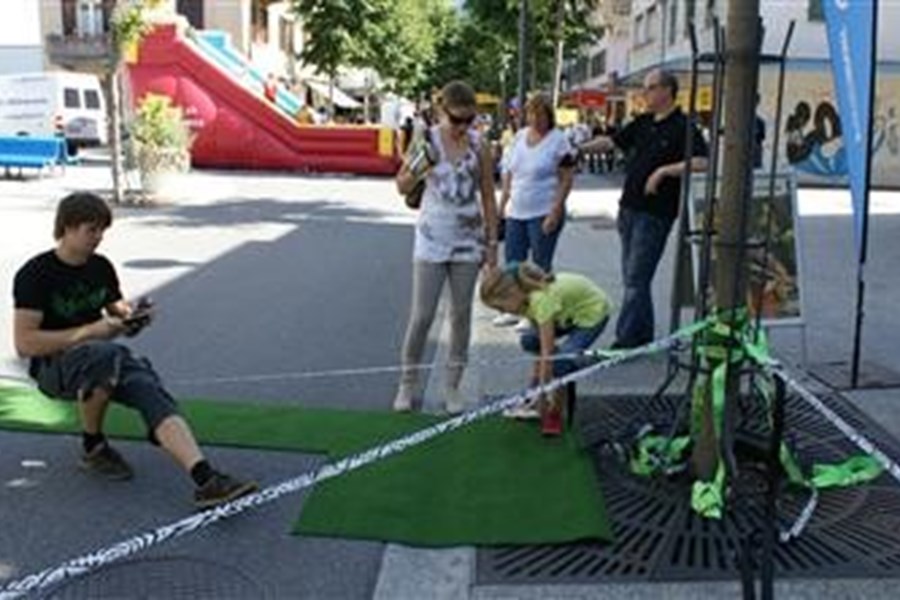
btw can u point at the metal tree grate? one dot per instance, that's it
(160, 577)
(854, 532)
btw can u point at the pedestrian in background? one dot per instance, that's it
(655, 141)
(455, 234)
(537, 177)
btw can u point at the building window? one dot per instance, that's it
(581, 69)
(815, 11)
(652, 23)
(70, 98)
(598, 64)
(91, 99)
(690, 13)
(192, 10)
(673, 21)
(91, 17)
(639, 30)
(710, 15)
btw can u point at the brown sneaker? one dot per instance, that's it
(105, 461)
(222, 488)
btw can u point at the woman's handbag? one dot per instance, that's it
(420, 162)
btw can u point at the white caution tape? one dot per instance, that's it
(138, 543)
(776, 370)
(385, 369)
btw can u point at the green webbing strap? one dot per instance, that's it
(657, 453)
(861, 468)
(857, 469)
(707, 497)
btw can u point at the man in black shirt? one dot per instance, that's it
(655, 145)
(68, 311)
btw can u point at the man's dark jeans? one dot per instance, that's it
(643, 238)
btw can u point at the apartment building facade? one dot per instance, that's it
(652, 33)
(21, 48)
(76, 32)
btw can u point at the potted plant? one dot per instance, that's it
(160, 141)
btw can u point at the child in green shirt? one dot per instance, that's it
(562, 306)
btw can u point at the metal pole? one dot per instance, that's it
(681, 281)
(559, 43)
(704, 455)
(864, 235)
(776, 139)
(523, 59)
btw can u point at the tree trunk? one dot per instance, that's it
(730, 268)
(114, 123)
(331, 79)
(559, 43)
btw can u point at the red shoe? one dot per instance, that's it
(551, 421)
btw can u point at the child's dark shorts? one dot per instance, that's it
(75, 373)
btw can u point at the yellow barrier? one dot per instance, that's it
(386, 141)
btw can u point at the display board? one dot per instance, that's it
(776, 274)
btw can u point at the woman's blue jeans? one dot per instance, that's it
(577, 340)
(524, 236)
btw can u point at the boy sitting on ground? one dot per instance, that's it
(68, 311)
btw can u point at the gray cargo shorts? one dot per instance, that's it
(79, 371)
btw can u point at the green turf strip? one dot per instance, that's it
(492, 482)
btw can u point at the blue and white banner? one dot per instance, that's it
(850, 36)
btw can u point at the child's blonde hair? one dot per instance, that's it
(508, 288)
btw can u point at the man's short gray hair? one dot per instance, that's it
(668, 80)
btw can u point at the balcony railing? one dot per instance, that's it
(82, 53)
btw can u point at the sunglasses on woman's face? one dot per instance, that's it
(458, 120)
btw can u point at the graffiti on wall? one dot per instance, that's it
(814, 138)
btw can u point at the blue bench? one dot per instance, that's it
(26, 152)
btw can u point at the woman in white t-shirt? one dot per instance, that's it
(538, 171)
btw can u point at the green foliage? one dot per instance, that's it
(488, 39)
(417, 45)
(160, 124)
(397, 38)
(129, 22)
(338, 30)
(160, 135)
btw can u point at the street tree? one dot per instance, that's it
(558, 29)
(337, 29)
(402, 46)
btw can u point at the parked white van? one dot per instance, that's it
(47, 104)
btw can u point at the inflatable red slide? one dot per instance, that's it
(238, 128)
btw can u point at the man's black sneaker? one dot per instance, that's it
(221, 488)
(106, 462)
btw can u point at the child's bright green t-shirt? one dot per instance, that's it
(570, 299)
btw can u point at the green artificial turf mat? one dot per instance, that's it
(495, 481)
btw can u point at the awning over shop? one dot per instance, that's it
(585, 99)
(485, 99)
(341, 99)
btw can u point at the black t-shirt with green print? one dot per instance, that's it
(69, 296)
